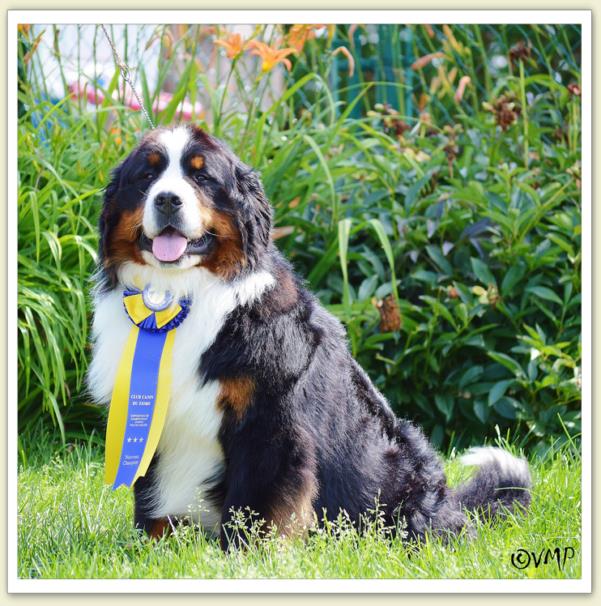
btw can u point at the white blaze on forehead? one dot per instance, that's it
(172, 180)
(175, 142)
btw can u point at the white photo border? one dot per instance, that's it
(236, 586)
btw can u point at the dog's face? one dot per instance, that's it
(180, 200)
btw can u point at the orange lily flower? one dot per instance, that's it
(233, 44)
(270, 56)
(299, 35)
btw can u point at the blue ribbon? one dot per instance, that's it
(141, 404)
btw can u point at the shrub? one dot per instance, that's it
(447, 239)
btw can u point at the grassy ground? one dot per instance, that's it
(71, 526)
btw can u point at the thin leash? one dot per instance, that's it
(125, 74)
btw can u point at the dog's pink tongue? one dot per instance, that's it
(169, 247)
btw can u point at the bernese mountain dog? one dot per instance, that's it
(269, 412)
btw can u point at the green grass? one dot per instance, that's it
(71, 526)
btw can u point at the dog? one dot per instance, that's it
(269, 412)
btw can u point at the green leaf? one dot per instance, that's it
(379, 229)
(544, 293)
(344, 230)
(565, 246)
(481, 410)
(436, 255)
(367, 287)
(445, 403)
(323, 266)
(166, 116)
(472, 374)
(508, 362)
(511, 278)
(498, 391)
(425, 276)
(482, 272)
(326, 169)
(145, 90)
(413, 192)
(108, 99)
(437, 436)
(439, 309)
(506, 407)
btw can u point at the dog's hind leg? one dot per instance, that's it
(270, 480)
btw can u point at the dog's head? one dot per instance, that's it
(182, 199)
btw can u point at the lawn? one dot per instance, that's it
(72, 526)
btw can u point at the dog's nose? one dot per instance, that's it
(167, 203)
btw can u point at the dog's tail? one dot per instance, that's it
(501, 482)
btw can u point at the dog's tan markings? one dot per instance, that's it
(236, 395)
(227, 257)
(197, 162)
(293, 514)
(153, 158)
(159, 528)
(205, 211)
(122, 244)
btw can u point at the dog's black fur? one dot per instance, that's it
(315, 431)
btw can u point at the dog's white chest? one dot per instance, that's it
(190, 455)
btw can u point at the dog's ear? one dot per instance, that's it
(256, 211)
(106, 215)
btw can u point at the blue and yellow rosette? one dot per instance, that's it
(142, 388)
(153, 310)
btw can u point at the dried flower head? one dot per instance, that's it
(390, 314)
(425, 118)
(560, 134)
(391, 120)
(519, 52)
(505, 109)
(574, 89)
(451, 149)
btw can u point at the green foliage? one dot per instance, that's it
(72, 526)
(489, 272)
(467, 215)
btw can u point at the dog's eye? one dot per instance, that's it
(199, 177)
(149, 175)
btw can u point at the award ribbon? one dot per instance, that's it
(142, 387)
